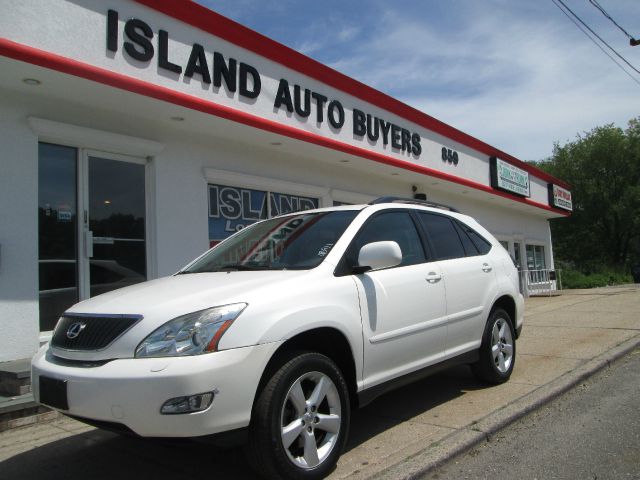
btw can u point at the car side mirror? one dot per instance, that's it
(378, 255)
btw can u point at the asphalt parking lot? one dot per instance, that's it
(565, 339)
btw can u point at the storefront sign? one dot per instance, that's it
(560, 197)
(233, 208)
(509, 178)
(450, 156)
(140, 43)
(64, 213)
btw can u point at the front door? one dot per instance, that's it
(92, 226)
(115, 226)
(403, 307)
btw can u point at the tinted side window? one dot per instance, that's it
(478, 240)
(393, 226)
(469, 246)
(443, 236)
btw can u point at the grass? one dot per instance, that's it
(606, 277)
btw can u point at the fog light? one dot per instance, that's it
(193, 403)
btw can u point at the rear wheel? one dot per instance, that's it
(498, 349)
(301, 419)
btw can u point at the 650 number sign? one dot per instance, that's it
(449, 155)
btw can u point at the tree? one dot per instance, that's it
(603, 168)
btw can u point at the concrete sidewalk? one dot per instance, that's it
(565, 339)
(403, 433)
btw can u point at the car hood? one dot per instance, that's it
(159, 301)
(177, 295)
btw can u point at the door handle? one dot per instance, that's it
(486, 268)
(88, 243)
(433, 277)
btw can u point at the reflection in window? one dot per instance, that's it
(233, 208)
(443, 235)
(117, 220)
(391, 226)
(294, 242)
(57, 231)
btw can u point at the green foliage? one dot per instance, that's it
(606, 277)
(603, 168)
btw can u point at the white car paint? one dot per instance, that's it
(396, 321)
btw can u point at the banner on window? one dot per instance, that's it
(233, 208)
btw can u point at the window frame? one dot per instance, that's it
(459, 226)
(427, 236)
(343, 268)
(462, 226)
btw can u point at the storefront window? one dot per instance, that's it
(536, 262)
(233, 208)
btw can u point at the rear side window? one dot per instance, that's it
(478, 240)
(469, 246)
(393, 226)
(443, 235)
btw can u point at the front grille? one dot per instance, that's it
(91, 332)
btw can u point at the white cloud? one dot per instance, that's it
(516, 74)
(517, 82)
(347, 33)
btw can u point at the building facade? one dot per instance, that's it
(137, 134)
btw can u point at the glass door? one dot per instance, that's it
(57, 232)
(92, 226)
(115, 231)
(517, 254)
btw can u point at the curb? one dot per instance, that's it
(439, 453)
(24, 421)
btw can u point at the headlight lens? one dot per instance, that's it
(191, 334)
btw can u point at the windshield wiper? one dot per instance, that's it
(244, 267)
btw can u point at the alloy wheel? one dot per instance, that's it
(310, 420)
(502, 345)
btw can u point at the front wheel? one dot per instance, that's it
(300, 420)
(498, 349)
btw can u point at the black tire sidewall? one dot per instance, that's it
(487, 368)
(286, 376)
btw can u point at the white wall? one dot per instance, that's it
(19, 323)
(81, 36)
(180, 205)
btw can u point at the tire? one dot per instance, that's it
(498, 349)
(307, 394)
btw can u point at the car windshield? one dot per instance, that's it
(294, 242)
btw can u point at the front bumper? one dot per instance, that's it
(131, 391)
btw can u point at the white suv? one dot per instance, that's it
(272, 336)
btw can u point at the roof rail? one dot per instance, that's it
(413, 201)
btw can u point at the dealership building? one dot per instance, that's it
(136, 134)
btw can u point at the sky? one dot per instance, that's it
(516, 74)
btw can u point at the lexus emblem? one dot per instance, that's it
(75, 329)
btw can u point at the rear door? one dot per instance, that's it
(468, 276)
(403, 307)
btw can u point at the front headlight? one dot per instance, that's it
(191, 334)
